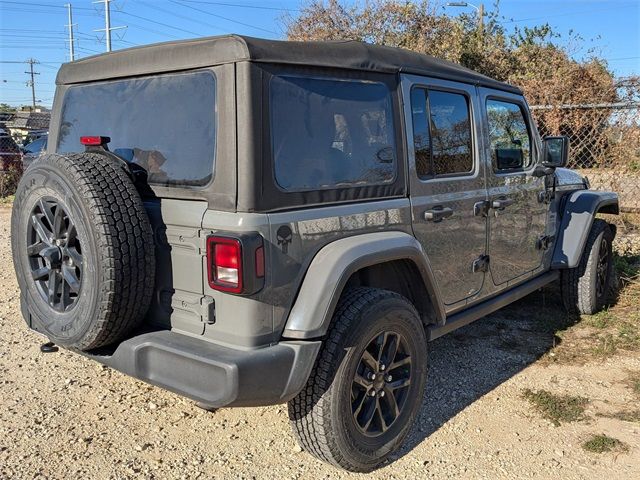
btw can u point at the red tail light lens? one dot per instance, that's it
(94, 141)
(224, 263)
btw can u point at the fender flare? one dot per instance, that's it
(577, 218)
(332, 267)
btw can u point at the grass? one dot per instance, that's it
(634, 382)
(8, 200)
(557, 408)
(607, 333)
(603, 443)
(626, 416)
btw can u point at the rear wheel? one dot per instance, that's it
(586, 289)
(366, 388)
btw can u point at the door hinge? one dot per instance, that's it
(481, 264)
(544, 241)
(481, 209)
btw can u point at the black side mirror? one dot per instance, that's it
(555, 151)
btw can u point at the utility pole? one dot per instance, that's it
(107, 23)
(481, 20)
(70, 26)
(32, 83)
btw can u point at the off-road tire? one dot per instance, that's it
(321, 414)
(116, 278)
(580, 292)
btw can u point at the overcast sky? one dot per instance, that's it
(36, 29)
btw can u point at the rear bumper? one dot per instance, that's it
(212, 374)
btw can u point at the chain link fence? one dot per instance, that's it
(604, 141)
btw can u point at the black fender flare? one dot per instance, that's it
(578, 213)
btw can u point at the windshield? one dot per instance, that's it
(166, 124)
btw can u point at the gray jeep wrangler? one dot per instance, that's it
(249, 222)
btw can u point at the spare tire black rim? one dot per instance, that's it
(381, 383)
(55, 255)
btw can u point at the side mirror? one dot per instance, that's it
(555, 151)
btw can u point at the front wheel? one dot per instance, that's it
(366, 388)
(587, 287)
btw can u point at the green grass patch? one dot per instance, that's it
(627, 266)
(603, 443)
(557, 408)
(627, 416)
(8, 200)
(634, 382)
(600, 320)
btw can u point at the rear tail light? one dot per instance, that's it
(235, 264)
(224, 257)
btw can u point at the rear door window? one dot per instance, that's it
(441, 133)
(508, 135)
(166, 124)
(330, 133)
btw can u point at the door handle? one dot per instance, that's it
(437, 214)
(501, 203)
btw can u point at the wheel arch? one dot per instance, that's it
(578, 213)
(387, 260)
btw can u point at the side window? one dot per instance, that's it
(450, 133)
(421, 135)
(331, 133)
(441, 133)
(508, 135)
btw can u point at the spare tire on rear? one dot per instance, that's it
(83, 250)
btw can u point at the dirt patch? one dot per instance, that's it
(64, 416)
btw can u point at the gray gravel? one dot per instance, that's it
(63, 416)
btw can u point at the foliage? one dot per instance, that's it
(557, 408)
(6, 108)
(9, 179)
(604, 443)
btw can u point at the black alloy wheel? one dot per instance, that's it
(55, 254)
(380, 384)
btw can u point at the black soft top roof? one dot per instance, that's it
(209, 51)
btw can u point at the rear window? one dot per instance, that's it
(166, 124)
(330, 133)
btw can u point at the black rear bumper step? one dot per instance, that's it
(212, 374)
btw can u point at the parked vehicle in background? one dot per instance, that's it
(32, 150)
(249, 222)
(33, 135)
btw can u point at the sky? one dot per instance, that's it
(36, 29)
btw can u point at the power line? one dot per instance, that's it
(184, 17)
(160, 23)
(239, 5)
(223, 18)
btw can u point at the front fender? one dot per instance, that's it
(332, 267)
(579, 211)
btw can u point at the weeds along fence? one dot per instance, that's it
(604, 143)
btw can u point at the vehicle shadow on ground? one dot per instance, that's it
(470, 362)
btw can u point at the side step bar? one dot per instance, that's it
(471, 314)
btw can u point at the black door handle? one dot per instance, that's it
(501, 203)
(437, 214)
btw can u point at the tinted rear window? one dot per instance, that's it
(166, 124)
(331, 133)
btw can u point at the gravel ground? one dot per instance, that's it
(63, 416)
